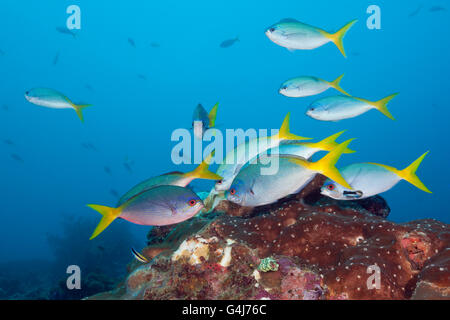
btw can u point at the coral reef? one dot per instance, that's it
(309, 248)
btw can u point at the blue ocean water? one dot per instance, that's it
(52, 165)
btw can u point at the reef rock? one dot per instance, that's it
(309, 248)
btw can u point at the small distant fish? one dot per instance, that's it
(131, 42)
(295, 35)
(308, 86)
(56, 58)
(101, 248)
(64, 30)
(139, 256)
(337, 108)
(2, 53)
(228, 43)
(128, 165)
(415, 12)
(437, 9)
(8, 142)
(173, 179)
(53, 99)
(141, 76)
(5, 107)
(89, 146)
(16, 157)
(87, 86)
(159, 206)
(114, 193)
(107, 170)
(154, 45)
(369, 179)
(202, 121)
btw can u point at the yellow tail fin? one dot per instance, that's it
(285, 134)
(212, 115)
(409, 174)
(109, 215)
(338, 37)
(202, 171)
(327, 144)
(336, 85)
(79, 108)
(381, 105)
(326, 165)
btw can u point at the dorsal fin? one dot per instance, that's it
(288, 20)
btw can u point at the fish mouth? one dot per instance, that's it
(234, 199)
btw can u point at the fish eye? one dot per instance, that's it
(272, 29)
(232, 191)
(312, 109)
(192, 202)
(219, 182)
(331, 187)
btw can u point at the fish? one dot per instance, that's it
(308, 86)
(16, 157)
(307, 149)
(131, 42)
(2, 53)
(141, 76)
(5, 107)
(107, 170)
(9, 142)
(139, 257)
(128, 165)
(415, 12)
(202, 121)
(228, 43)
(172, 178)
(89, 87)
(53, 99)
(239, 156)
(89, 146)
(250, 188)
(295, 35)
(337, 108)
(370, 179)
(56, 58)
(64, 30)
(114, 193)
(159, 206)
(154, 44)
(437, 9)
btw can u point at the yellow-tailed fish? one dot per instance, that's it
(243, 153)
(369, 179)
(295, 35)
(159, 206)
(250, 188)
(173, 178)
(202, 121)
(306, 86)
(337, 108)
(53, 99)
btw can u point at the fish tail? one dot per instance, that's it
(338, 37)
(326, 165)
(212, 115)
(381, 105)
(336, 84)
(139, 256)
(327, 144)
(285, 134)
(109, 215)
(79, 108)
(409, 174)
(202, 171)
